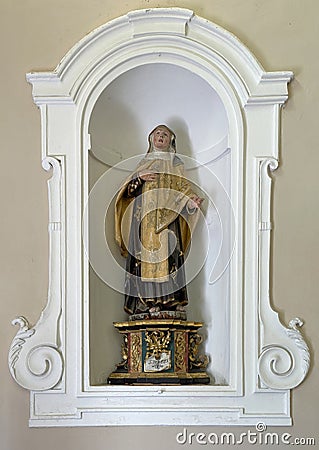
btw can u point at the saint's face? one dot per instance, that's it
(162, 138)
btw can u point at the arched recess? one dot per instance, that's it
(57, 358)
(218, 162)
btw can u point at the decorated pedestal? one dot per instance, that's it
(160, 351)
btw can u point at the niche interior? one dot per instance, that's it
(135, 102)
(143, 69)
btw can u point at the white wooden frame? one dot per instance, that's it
(51, 358)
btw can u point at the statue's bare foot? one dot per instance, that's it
(154, 309)
(180, 308)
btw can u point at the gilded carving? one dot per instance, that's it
(124, 353)
(136, 352)
(195, 360)
(158, 355)
(180, 351)
(157, 342)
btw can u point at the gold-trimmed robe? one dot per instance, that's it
(163, 201)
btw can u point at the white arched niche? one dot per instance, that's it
(124, 114)
(97, 108)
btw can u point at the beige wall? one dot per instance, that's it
(35, 34)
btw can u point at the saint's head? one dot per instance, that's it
(162, 139)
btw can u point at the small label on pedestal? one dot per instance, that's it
(151, 364)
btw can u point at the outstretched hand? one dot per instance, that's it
(195, 202)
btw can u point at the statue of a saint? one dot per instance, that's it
(154, 215)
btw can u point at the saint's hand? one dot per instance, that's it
(194, 202)
(147, 176)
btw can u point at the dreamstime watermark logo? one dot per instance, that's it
(260, 436)
(99, 232)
